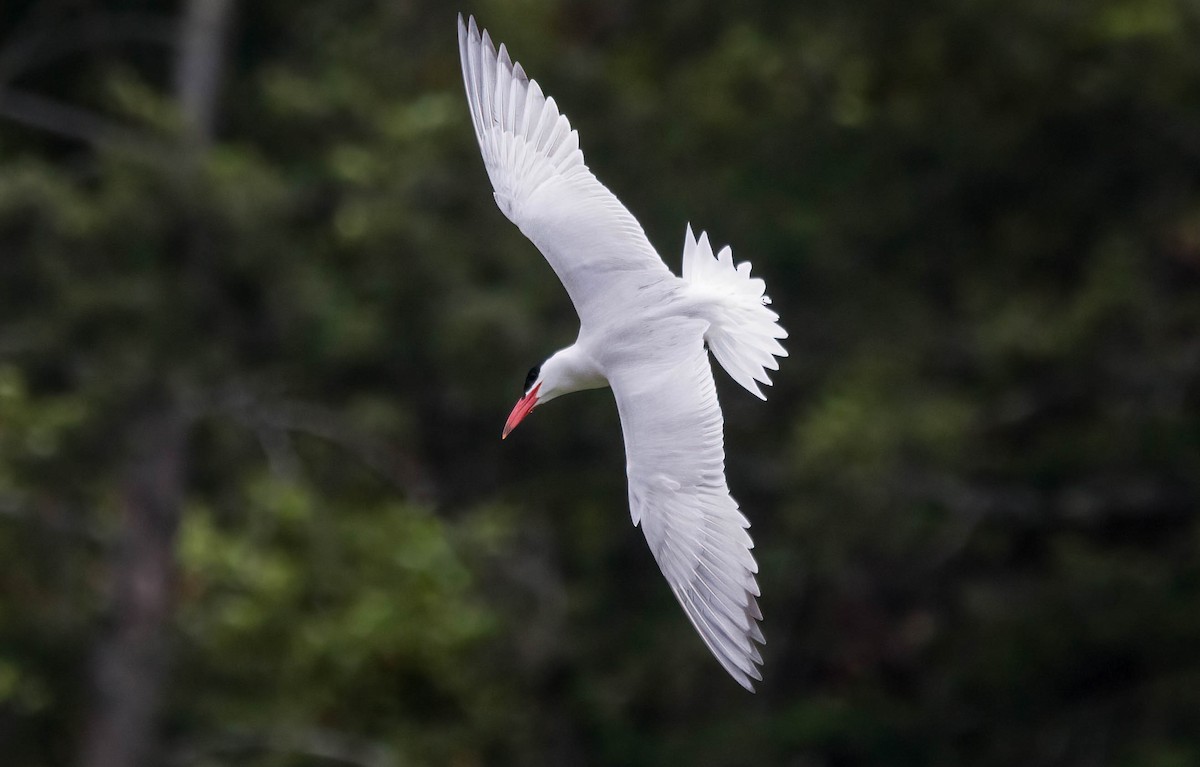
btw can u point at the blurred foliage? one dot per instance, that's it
(974, 487)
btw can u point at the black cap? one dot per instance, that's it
(534, 372)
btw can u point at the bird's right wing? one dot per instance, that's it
(595, 246)
(674, 447)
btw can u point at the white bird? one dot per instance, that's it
(644, 332)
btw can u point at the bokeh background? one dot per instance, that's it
(261, 324)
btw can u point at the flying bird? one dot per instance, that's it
(646, 334)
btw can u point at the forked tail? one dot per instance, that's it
(743, 333)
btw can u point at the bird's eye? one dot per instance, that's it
(534, 372)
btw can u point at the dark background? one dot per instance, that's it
(261, 324)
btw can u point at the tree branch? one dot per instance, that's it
(304, 418)
(64, 120)
(68, 522)
(316, 743)
(53, 42)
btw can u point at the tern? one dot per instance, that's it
(646, 334)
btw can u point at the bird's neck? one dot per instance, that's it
(569, 370)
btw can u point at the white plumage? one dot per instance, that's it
(643, 331)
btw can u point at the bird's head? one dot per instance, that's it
(567, 370)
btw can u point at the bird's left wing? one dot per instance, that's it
(595, 246)
(674, 447)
